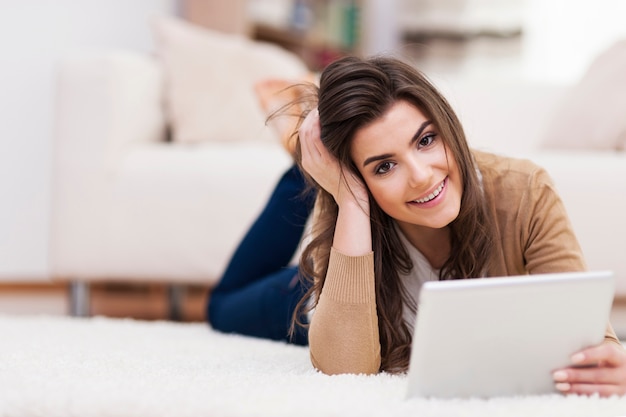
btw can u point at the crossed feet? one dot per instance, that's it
(284, 102)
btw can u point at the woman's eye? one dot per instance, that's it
(384, 168)
(427, 140)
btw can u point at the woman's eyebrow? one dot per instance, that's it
(415, 137)
(376, 158)
(417, 134)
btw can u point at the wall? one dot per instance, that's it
(562, 36)
(34, 36)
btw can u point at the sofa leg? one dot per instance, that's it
(176, 294)
(79, 299)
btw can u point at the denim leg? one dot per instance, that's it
(262, 309)
(258, 291)
(273, 239)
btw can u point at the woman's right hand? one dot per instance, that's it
(325, 169)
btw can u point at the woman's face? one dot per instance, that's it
(407, 168)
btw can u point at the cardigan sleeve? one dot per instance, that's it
(549, 243)
(343, 335)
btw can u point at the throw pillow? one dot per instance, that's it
(210, 78)
(593, 113)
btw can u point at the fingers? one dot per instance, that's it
(605, 390)
(607, 354)
(311, 146)
(311, 121)
(316, 160)
(597, 370)
(594, 375)
(309, 133)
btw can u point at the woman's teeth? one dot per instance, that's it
(431, 195)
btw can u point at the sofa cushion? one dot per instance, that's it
(210, 77)
(593, 113)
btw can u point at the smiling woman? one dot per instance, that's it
(401, 200)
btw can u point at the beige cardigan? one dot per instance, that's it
(533, 235)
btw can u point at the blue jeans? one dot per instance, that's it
(258, 292)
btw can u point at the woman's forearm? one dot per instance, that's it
(343, 336)
(353, 233)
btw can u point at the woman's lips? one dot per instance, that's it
(432, 197)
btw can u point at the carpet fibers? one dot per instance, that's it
(60, 366)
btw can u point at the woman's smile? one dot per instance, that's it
(433, 198)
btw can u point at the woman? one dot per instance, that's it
(402, 200)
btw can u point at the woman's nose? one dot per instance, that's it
(420, 173)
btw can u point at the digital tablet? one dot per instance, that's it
(504, 336)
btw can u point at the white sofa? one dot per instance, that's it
(130, 206)
(157, 173)
(127, 204)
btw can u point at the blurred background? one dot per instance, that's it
(547, 40)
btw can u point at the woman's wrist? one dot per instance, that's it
(352, 193)
(353, 235)
(349, 201)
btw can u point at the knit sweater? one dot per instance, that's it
(533, 236)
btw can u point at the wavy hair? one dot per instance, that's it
(353, 93)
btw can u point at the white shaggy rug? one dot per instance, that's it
(59, 366)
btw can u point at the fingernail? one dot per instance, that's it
(563, 386)
(559, 375)
(578, 357)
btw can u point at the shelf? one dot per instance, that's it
(315, 52)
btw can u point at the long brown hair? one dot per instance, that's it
(354, 92)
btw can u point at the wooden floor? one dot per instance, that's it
(140, 301)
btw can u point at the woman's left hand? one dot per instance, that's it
(600, 369)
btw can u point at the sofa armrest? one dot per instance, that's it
(104, 104)
(592, 185)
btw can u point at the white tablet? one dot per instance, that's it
(504, 336)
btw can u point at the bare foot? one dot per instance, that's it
(279, 100)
